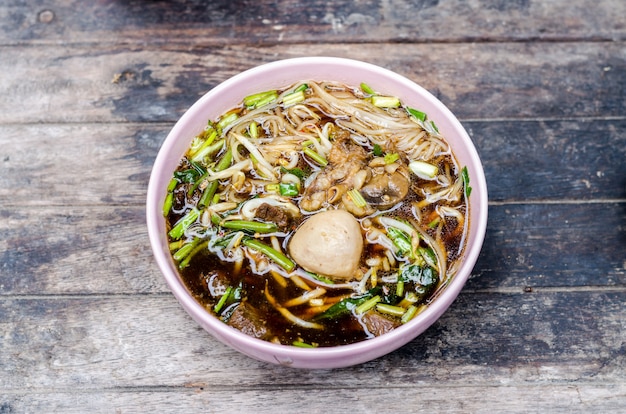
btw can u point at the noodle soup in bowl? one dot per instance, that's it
(317, 212)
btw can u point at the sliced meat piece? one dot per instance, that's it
(274, 214)
(248, 320)
(377, 324)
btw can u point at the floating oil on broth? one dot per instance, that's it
(388, 200)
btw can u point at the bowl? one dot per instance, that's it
(280, 74)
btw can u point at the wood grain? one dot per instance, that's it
(316, 21)
(88, 92)
(119, 83)
(144, 341)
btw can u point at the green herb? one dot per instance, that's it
(183, 224)
(198, 248)
(466, 180)
(210, 190)
(226, 120)
(367, 305)
(357, 198)
(288, 189)
(253, 130)
(391, 157)
(254, 226)
(367, 89)
(257, 100)
(298, 172)
(390, 309)
(301, 344)
(276, 256)
(411, 311)
(220, 304)
(302, 88)
(167, 204)
(401, 240)
(378, 151)
(417, 114)
(293, 98)
(424, 278)
(315, 156)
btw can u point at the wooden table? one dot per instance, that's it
(88, 92)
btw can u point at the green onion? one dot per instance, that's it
(288, 189)
(199, 157)
(390, 309)
(432, 123)
(293, 98)
(386, 101)
(391, 158)
(184, 251)
(298, 172)
(183, 224)
(409, 314)
(301, 344)
(175, 245)
(366, 88)
(210, 190)
(253, 130)
(207, 142)
(172, 185)
(401, 240)
(434, 223)
(466, 180)
(227, 120)
(378, 151)
(255, 226)
(259, 99)
(220, 304)
(367, 305)
(429, 256)
(167, 204)
(423, 169)
(315, 156)
(199, 247)
(417, 114)
(276, 256)
(357, 198)
(302, 88)
(400, 288)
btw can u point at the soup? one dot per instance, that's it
(320, 214)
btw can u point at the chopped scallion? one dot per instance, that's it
(466, 180)
(288, 189)
(367, 89)
(409, 314)
(255, 226)
(276, 256)
(417, 114)
(315, 156)
(293, 98)
(390, 309)
(220, 304)
(357, 198)
(391, 157)
(227, 120)
(183, 224)
(259, 99)
(367, 305)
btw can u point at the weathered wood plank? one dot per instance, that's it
(74, 250)
(414, 398)
(93, 164)
(224, 21)
(99, 83)
(487, 340)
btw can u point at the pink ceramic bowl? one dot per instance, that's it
(283, 73)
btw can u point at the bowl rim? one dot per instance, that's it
(322, 357)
